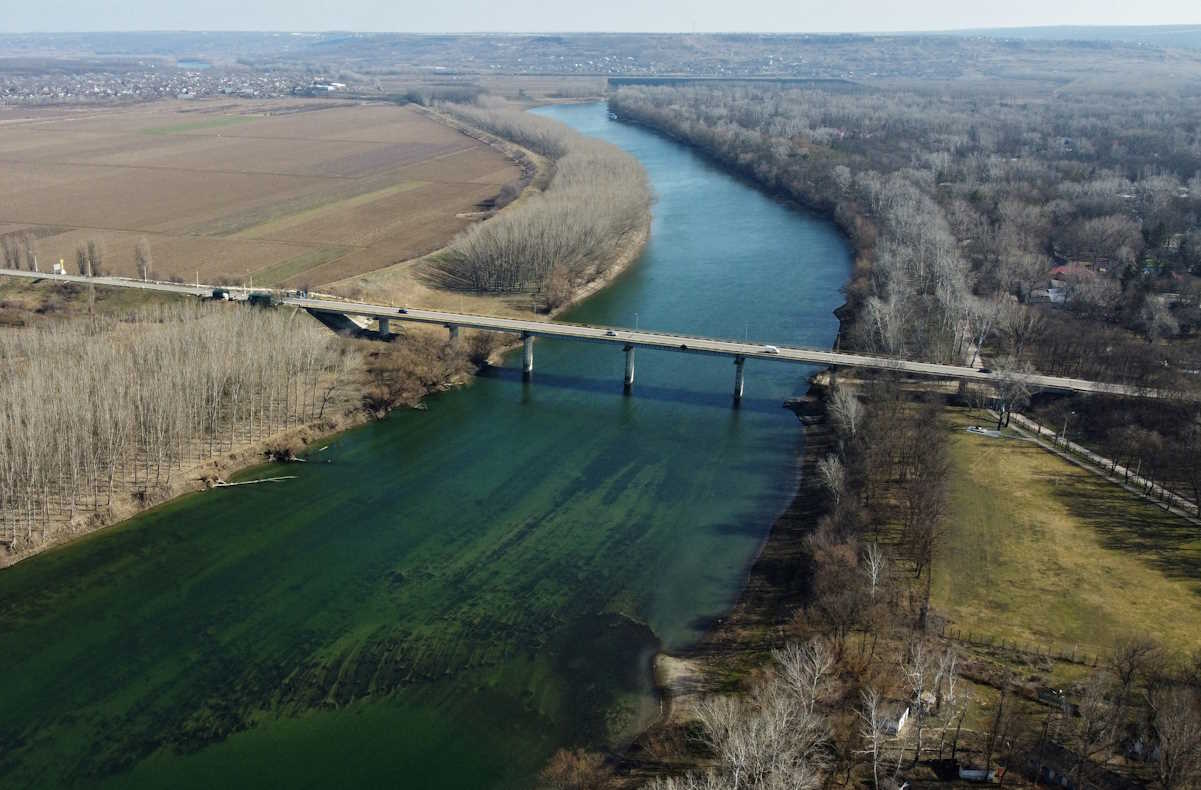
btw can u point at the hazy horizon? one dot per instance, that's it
(619, 16)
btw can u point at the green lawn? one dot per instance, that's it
(1045, 553)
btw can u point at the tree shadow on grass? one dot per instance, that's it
(1166, 542)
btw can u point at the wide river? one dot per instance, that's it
(463, 589)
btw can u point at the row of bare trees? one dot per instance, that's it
(551, 242)
(91, 411)
(19, 250)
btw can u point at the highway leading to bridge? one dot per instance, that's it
(626, 339)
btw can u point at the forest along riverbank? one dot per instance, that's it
(582, 218)
(468, 587)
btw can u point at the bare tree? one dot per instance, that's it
(833, 475)
(1176, 728)
(95, 253)
(768, 740)
(10, 251)
(82, 261)
(1092, 730)
(575, 770)
(29, 244)
(873, 730)
(1013, 394)
(875, 567)
(143, 258)
(1130, 662)
(806, 670)
(847, 411)
(920, 670)
(1019, 326)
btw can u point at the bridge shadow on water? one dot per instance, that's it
(651, 392)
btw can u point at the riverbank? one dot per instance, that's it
(857, 226)
(738, 645)
(419, 282)
(361, 403)
(444, 574)
(778, 581)
(371, 380)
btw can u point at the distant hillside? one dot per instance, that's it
(1164, 36)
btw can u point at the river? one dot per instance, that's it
(463, 589)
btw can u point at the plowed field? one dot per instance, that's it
(281, 192)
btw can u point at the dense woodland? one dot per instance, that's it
(550, 242)
(969, 206)
(99, 410)
(962, 202)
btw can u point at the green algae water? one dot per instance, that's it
(464, 589)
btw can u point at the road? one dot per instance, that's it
(638, 338)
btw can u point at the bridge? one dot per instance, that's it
(624, 339)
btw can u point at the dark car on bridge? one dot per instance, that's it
(262, 300)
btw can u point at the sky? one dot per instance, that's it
(425, 16)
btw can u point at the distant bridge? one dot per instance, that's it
(628, 340)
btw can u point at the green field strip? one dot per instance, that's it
(280, 272)
(292, 220)
(208, 123)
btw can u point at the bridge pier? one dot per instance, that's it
(738, 379)
(383, 327)
(454, 332)
(527, 356)
(629, 377)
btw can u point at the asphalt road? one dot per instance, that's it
(637, 338)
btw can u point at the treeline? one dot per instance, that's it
(553, 241)
(91, 411)
(1159, 441)
(19, 250)
(961, 201)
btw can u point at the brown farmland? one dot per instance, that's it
(281, 192)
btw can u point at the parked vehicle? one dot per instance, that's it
(260, 299)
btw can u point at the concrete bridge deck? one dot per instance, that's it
(630, 339)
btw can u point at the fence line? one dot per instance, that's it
(1047, 650)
